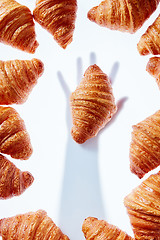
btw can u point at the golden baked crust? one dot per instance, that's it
(123, 15)
(153, 67)
(30, 226)
(143, 207)
(14, 138)
(92, 104)
(145, 145)
(58, 17)
(150, 41)
(13, 181)
(99, 229)
(17, 79)
(16, 26)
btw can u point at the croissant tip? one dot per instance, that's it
(33, 48)
(91, 15)
(77, 136)
(143, 51)
(27, 179)
(39, 66)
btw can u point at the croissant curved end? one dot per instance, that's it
(142, 49)
(92, 14)
(77, 136)
(152, 67)
(39, 66)
(33, 48)
(27, 179)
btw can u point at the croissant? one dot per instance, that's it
(13, 182)
(30, 226)
(58, 17)
(143, 207)
(16, 26)
(149, 43)
(14, 139)
(17, 79)
(153, 67)
(145, 145)
(92, 104)
(121, 15)
(100, 229)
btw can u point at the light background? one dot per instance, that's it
(75, 181)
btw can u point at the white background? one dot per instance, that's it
(75, 181)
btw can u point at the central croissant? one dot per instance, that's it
(16, 26)
(100, 229)
(123, 15)
(58, 17)
(92, 104)
(17, 79)
(30, 226)
(14, 138)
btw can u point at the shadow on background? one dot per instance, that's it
(81, 194)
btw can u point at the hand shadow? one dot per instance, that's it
(81, 194)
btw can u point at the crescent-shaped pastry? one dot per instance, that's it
(58, 17)
(153, 67)
(17, 79)
(13, 182)
(99, 229)
(149, 43)
(123, 15)
(143, 207)
(16, 26)
(145, 145)
(92, 104)
(30, 226)
(14, 138)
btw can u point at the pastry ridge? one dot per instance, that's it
(58, 18)
(13, 182)
(16, 26)
(17, 79)
(32, 226)
(122, 15)
(14, 138)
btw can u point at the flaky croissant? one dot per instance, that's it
(58, 17)
(16, 26)
(92, 104)
(100, 229)
(30, 226)
(13, 181)
(121, 15)
(17, 79)
(153, 67)
(149, 43)
(143, 207)
(14, 139)
(145, 145)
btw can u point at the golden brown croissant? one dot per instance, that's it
(153, 67)
(123, 15)
(13, 182)
(30, 226)
(145, 145)
(58, 17)
(17, 79)
(143, 207)
(14, 139)
(92, 104)
(100, 229)
(150, 41)
(16, 26)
